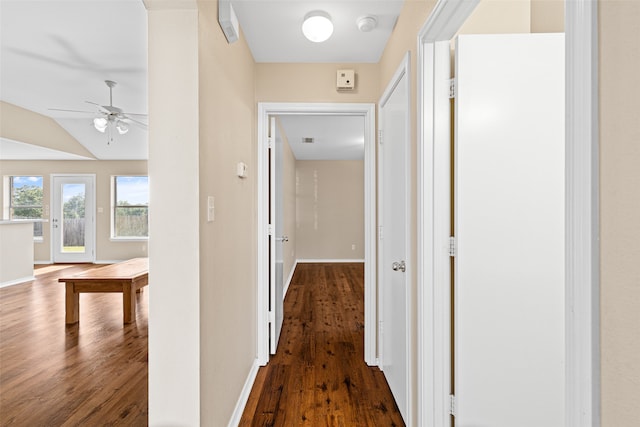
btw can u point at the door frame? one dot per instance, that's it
(91, 209)
(582, 251)
(366, 110)
(403, 71)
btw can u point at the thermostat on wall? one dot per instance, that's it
(346, 80)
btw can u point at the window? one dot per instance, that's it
(26, 200)
(130, 207)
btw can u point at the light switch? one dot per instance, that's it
(241, 170)
(211, 209)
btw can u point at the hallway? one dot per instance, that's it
(318, 376)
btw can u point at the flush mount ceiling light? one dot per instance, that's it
(317, 26)
(367, 23)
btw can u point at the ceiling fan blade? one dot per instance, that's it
(134, 122)
(93, 103)
(135, 114)
(71, 111)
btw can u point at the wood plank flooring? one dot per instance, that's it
(318, 376)
(93, 373)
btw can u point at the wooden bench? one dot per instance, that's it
(127, 277)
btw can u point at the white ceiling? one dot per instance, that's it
(57, 54)
(335, 137)
(273, 29)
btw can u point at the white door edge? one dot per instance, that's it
(403, 70)
(582, 190)
(367, 110)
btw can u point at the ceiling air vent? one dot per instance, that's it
(307, 140)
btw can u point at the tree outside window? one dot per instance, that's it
(26, 201)
(131, 206)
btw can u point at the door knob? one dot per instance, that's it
(399, 266)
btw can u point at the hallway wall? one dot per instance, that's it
(330, 209)
(619, 41)
(294, 82)
(228, 248)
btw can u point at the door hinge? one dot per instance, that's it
(452, 88)
(452, 246)
(270, 229)
(272, 317)
(380, 136)
(380, 232)
(270, 142)
(452, 405)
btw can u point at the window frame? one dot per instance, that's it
(9, 207)
(115, 206)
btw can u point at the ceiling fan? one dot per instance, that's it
(109, 119)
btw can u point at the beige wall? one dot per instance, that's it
(22, 125)
(289, 202)
(330, 209)
(106, 249)
(499, 17)
(619, 50)
(227, 245)
(547, 16)
(174, 261)
(314, 83)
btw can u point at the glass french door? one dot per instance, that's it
(73, 218)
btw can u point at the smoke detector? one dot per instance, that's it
(367, 23)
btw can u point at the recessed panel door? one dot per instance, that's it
(394, 172)
(277, 239)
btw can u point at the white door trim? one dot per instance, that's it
(404, 70)
(265, 109)
(582, 284)
(90, 212)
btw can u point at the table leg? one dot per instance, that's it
(72, 304)
(128, 303)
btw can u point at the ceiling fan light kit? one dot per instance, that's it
(111, 119)
(317, 26)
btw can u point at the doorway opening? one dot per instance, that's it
(268, 237)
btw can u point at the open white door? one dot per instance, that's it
(395, 296)
(509, 201)
(276, 239)
(73, 218)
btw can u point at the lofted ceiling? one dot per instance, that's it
(57, 54)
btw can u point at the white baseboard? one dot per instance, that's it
(288, 282)
(244, 395)
(320, 261)
(107, 261)
(16, 281)
(43, 262)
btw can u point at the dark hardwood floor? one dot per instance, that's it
(89, 374)
(318, 376)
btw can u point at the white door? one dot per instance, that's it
(394, 172)
(73, 218)
(276, 238)
(509, 291)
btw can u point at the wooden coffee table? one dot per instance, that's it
(127, 277)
